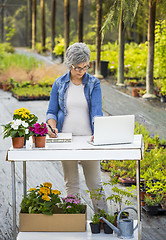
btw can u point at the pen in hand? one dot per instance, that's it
(52, 130)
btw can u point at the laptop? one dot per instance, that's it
(114, 129)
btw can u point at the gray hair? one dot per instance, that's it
(76, 54)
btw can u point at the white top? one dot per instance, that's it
(77, 119)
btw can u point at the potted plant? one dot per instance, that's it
(72, 205)
(16, 129)
(111, 219)
(42, 199)
(135, 92)
(152, 204)
(118, 195)
(25, 115)
(39, 132)
(43, 206)
(95, 223)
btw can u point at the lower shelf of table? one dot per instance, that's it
(71, 235)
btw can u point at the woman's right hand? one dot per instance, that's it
(51, 134)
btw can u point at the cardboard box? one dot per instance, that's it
(52, 223)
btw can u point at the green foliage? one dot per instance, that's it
(163, 88)
(153, 201)
(15, 128)
(6, 48)
(110, 218)
(96, 193)
(32, 91)
(118, 193)
(59, 46)
(95, 218)
(127, 9)
(42, 199)
(160, 50)
(18, 60)
(135, 59)
(152, 165)
(10, 31)
(153, 171)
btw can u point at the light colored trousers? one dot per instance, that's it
(92, 175)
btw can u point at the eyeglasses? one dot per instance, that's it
(79, 69)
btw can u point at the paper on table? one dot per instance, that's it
(62, 137)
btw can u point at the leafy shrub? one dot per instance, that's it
(6, 48)
(160, 50)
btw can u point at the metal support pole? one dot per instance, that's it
(14, 199)
(138, 197)
(24, 179)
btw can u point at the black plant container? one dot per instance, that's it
(95, 228)
(152, 210)
(163, 98)
(107, 229)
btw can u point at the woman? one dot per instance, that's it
(74, 102)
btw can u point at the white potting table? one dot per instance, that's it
(78, 149)
(71, 235)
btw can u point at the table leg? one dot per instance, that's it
(14, 199)
(138, 198)
(24, 179)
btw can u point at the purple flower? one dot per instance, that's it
(69, 206)
(38, 129)
(77, 201)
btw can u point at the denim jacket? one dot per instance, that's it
(57, 105)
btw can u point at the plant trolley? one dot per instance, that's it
(78, 149)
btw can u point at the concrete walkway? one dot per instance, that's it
(151, 114)
(114, 103)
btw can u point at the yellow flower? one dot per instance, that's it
(44, 190)
(56, 192)
(46, 198)
(47, 184)
(32, 189)
(40, 192)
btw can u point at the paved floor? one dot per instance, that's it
(114, 102)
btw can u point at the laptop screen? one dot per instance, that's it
(114, 129)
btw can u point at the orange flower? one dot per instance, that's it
(46, 198)
(47, 184)
(32, 189)
(56, 192)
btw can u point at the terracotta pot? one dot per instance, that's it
(40, 141)
(5, 87)
(18, 142)
(101, 225)
(142, 203)
(142, 195)
(135, 92)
